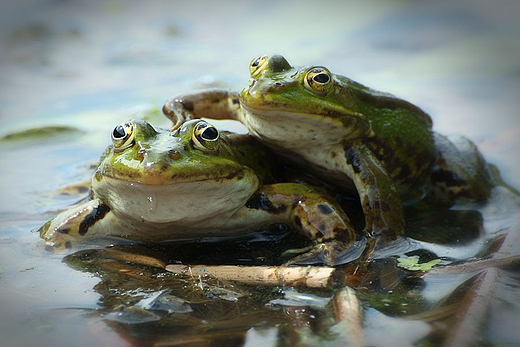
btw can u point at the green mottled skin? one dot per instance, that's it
(354, 136)
(156, 185)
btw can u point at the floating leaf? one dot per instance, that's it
(412, 263)
(40, 133)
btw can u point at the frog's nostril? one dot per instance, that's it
(141, 153)
(174, 154)
(277, 87)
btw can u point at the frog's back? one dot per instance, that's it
(402, 138)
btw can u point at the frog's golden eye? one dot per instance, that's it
(123, 136)
(205, 137)
(318, 80)
(256, 66)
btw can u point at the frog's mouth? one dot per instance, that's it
(268, 119)
(186, 201)
(166, 174)
(295, 120)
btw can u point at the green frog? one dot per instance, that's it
(361, 139)
(196, 182)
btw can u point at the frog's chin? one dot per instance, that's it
(294, 131)
(179, 203)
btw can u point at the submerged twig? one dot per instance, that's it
(349, 316)
(473, 311)
(297, 276)
(131, 257)
(477, 265)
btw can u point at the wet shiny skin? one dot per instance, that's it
(154, 185)
(360, 139)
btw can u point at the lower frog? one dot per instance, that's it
(154, 185)
(362, 139)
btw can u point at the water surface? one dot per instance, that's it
(88, 65)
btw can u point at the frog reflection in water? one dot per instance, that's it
(154, 185)
(358, 138)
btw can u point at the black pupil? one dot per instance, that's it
(321, 78)
(256, 62)
(210, 134)
(119, 132)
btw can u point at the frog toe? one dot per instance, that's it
(326, 253)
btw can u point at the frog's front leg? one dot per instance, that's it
(379, 197)
(312, 212)
(86, 220)
(215, 104)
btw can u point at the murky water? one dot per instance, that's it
(88, 65)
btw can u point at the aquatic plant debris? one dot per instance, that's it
(412, 263)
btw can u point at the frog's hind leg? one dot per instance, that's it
(460, 172)
(310, 211)
(85, 220)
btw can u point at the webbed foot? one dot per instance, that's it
(331, 253)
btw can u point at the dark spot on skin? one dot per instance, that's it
(407, 165)
(338, 231)
(237, 174)
(333, 155)
(68, 244)
(192, 144)
(325, 209)
(341, 234)
(90, 219)
(262, 202)
(297, 221)
(215, 101)
(63, 231)
(165, 167)
(352, 160)
(236, 101)
(187, 105)
(321, 228)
